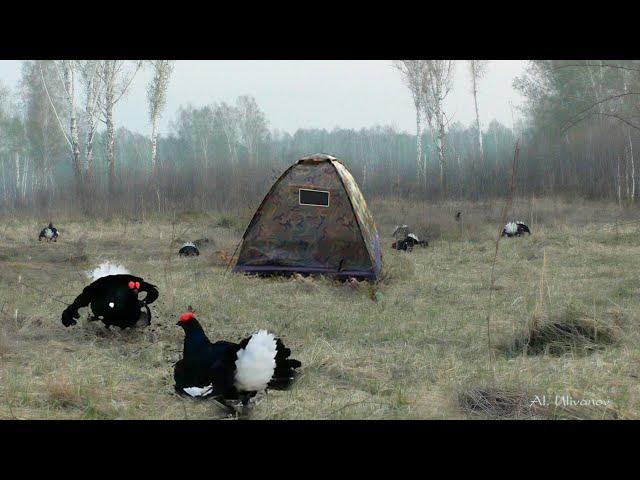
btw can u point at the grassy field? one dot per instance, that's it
(414, 346)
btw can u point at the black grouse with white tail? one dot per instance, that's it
(189, 249)
(409, 242)
(231, 371)
(114, 301)
(515, 229)
(50, 233)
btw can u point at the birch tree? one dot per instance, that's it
(44, 141)
(437, 83)
(413, 74)
(477, 69)
(66, 70)
(228, 120)
(252, 125)
(116, 77)
(92, 86)
(157, 98)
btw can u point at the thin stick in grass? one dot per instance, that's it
(505, 209)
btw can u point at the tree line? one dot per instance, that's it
(61, 143)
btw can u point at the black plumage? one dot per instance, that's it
(189, 250)
(210, 370)
(50, 233)
(114, 301)
(409, 242)
(515, 229)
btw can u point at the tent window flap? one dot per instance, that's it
(318, 198)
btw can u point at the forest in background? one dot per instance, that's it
(61, 146)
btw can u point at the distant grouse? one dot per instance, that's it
(515, 229)
(189, 249)
(49, 232)
(400, 232)
(231, 371)
(409, 242)
(114, 301)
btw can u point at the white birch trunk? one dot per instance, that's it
(475, 101)
(626, 179)
(441, 144)
(17, 160)
(633, 178)
(111, 134)
(69, 80)
(25, 174)
(90, 109)
(4, 183)
(419, 140)
(619, 185)
(154, 146)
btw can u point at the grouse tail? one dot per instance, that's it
(285, 371)
(256, 362)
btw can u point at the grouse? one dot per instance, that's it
(515, 229)
(114, 301)
(409, 242)
(188, 249)
(229, 371)
(49, 232)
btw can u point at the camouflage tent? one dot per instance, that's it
(313, 220)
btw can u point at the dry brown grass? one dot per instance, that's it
(404, 348)
(498, 404)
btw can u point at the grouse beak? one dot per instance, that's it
(135, 290)
(178, 324)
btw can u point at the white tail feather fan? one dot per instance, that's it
(198, 391)
(256, 363)
(105, 269)
(188, 244)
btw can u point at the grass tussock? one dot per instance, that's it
(231, 222)
(400, 268)
(571, 332)
(510, 404)
(498, 404)
(63, 393)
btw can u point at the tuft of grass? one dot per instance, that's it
(510, 404)
(570, 332)
(398, 268)
(63, 393)
(496, 403)
(229, 221)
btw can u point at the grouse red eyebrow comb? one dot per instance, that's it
(185, 317)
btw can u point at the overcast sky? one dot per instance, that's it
(320, 93)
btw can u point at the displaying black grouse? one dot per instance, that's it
(114, 301)
(231, 371)
(515, 229)
(49, 232)
(405, 239)
(409, 242)
(188, 249)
